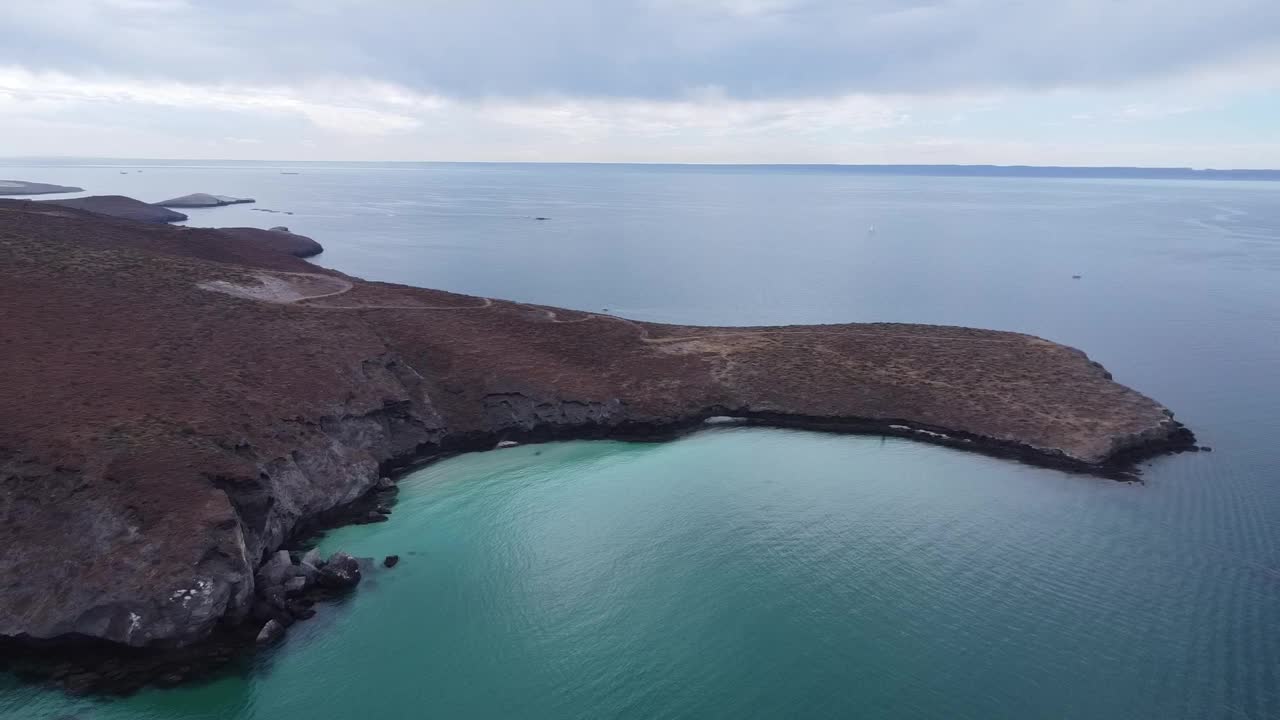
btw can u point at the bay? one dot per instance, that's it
(767, 573)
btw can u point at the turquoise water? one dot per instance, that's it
(759, 573)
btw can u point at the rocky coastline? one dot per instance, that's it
(208, 399)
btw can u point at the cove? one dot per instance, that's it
(736, 573)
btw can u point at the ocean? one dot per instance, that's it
(754, 573)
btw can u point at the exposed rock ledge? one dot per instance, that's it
(167, 426)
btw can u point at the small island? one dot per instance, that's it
(203, 200)
(182, 403)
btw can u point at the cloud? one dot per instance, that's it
(651, 80)
(350, 108)
(645, 48)
(365, 108)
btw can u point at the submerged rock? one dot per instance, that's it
(301, 611)
(391, 561)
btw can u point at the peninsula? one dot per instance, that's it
(22, 187)
(178, 402)
(121, 207)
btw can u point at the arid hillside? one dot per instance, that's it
(175, 401)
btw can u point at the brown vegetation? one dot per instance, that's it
(163, 431)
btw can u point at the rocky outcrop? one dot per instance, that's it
(163, 442)
(341, 572)
(22, 187)
(121, 207)
(203, 200)
(277, 239)
(272, 632)
(285, 591)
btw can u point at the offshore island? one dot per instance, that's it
(179, 404)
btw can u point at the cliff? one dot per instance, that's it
(177, 401)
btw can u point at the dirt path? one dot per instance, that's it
(488, 302)
(317, 286)
(643, 332)
(277, 287)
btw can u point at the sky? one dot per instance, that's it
(1047, 82)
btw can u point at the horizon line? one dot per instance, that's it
(833, 165)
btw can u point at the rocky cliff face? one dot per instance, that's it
(91, 554)
(172, 417)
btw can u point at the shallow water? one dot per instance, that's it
(758, 573)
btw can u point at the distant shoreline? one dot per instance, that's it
(994, 171)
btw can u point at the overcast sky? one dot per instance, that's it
(1070, 82)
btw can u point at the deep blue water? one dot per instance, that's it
(762, 573)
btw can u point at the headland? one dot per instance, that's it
(181, 403)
